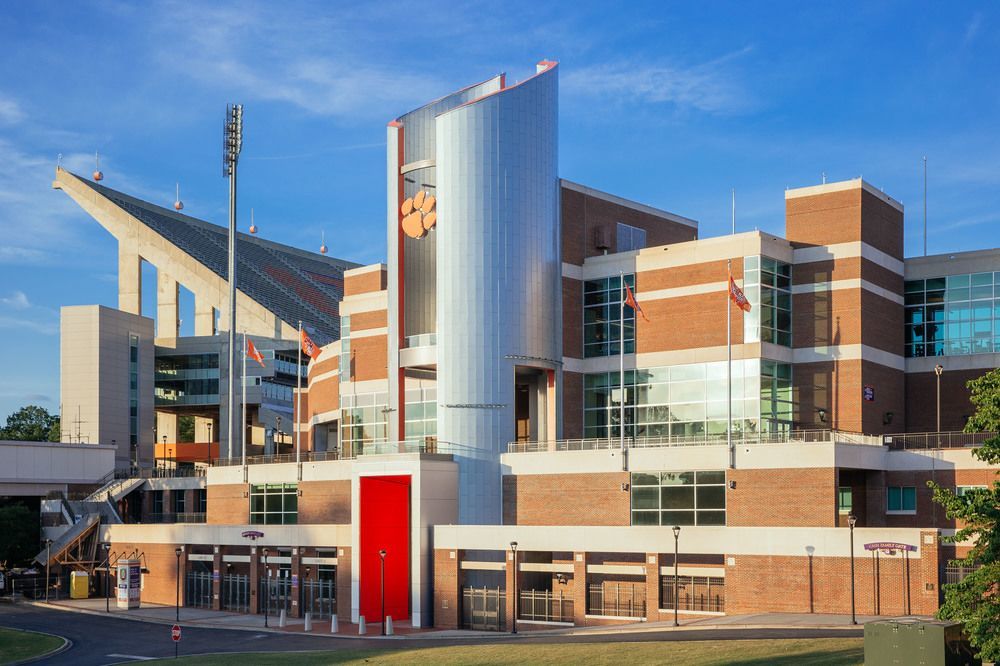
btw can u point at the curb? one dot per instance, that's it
(66, 645)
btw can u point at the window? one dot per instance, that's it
(603, 317)
(345, 349)
(844, 499)
(158, 502)
(133, 395)
(962, 491)
(901, 499)
(630, 238)
(421, 414)
(679, 498)
(178, 499)
(767, 284)
(201, 496)
(953, 315)
(363, 420)
(274, 504)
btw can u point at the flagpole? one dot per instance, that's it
(298, 400)
(621, 361)
(729, 366)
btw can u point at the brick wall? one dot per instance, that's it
(160, 584)
(364, 283)
(572, 303)
(226, 504)
(572, 404)
(703, 316)
(921, 399)
(566, 499)
(805, 497)
(325, 502)
(837, 386)
(369, 358)
(447, 589)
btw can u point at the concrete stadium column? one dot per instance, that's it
(925, 585)
(652, 587)
(217, 578)
(296, 575)
(255, 569)
(205, 429)
(167, 317)
(343, 583)
(129, 278)
(580, 589)
(204, 317)
(166, 425)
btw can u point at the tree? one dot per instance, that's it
(19, 526)
(975, 600)
(31, 424)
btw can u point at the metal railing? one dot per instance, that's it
(236, 593)
(163, 518)
(319, 597)
(423, 445)
(795, 436)
(937, 440)
(484, 609)
(617, 599)
(694, 593)
(544, 606)
(198, 589)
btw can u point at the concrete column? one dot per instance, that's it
(447, 588)
(512, 593)
(167, 318)
(255, 569)
(204, 317)
(343, 583)
(296, 575)
(205, 429)
(129, 278)
(166, 424)
(580, 589)
(652, 587)
(217, 569)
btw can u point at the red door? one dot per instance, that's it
(385, 525)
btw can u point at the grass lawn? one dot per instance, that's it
(836, 651)
(17, 645)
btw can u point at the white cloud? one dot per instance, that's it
(709, 87)
(10, 111)
(16, 301)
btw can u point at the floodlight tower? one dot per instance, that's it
(232, 144)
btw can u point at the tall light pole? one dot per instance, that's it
(513, 551)
(677, 537)
(208, 452)
(177, 601)
(107, 577)
(48, 561)
(851, 520)
(232, 144)
(938, 369)
(381, 583)
(267, 588)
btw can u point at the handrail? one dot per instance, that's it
(937, 440)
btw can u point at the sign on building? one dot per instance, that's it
(129, 580)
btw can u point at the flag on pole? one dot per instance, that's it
(737, 296)
(632, 303)
(254, 354)
(309, 347)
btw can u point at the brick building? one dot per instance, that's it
(491, 415)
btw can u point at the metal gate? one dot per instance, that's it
(236, 593)
(279, 595)
(319, 597)
(198, 591)
(617, 599)
(484, 609)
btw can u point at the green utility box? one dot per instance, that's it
(913, 642)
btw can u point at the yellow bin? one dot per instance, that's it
(78, 585)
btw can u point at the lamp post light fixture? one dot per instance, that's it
(851, 521)
(107, 577)
(177, 602)
(208, 449)
(381, 582)
(163, 455)
(513, 551)
(938, 369)
(267, 588)
(677, 536)
(48, 562)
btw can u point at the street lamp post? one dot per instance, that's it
(177, 601)
(677, 536)
(851, 520)
(48, 561)
(381, 582)
(513, 550)
(208, 451)
(267, 588)
(107, 577)
(163, 455)
(938, 369)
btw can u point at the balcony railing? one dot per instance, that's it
(161, 518)
(796, 436)
(423, 445)
(544, 606)
(937, 440)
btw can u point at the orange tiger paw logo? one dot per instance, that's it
(419, 214)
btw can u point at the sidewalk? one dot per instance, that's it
(196, 617)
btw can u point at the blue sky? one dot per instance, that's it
(668, 103)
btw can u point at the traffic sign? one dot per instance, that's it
(175, 633)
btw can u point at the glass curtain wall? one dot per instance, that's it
(767, 284)
(421, 414)
(953, 315)
(602, 317)
(364, 420)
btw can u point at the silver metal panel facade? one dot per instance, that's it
(498, 274)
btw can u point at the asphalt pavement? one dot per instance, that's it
(98, 640)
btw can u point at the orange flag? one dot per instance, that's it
(254, 354)
(632, 303)
(737, 296)
(309, 347)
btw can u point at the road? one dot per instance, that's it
(99, 640)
